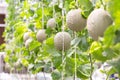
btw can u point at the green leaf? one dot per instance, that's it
(20, 28)
(111, 71)
(39, 64)
(49, 47)
(83, 45)
(57, 9)
(6, 58)
(109, 36)
(34, 44)
(25, 62)
(109, 53)
(86, 6)
(117, 36)
(56, 75)
(39, 12)
(83, 58)
(116, 64)
(115, 11)
(57, 61)
(37, 67)
(48, 31)
(72, 5)
(38, 24)
(75, 41)
(46, 11)
(116, 48)
(47, 67)
(50, 41)
(31, 26)
(31, 11)
(95, 46)
(83, 71)
(70, 66)
(98, 53)
(26, 4)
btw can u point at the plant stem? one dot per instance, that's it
(75, 58)
(63, 65)
(91, 66)
(103, 4)
(107, 77)
(63, 28)
(44, 75)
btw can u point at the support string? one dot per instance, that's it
(75, 77)
(63, 52)
(63, 15)
(42, 14)
(43, 28)
(76, 3)
(54, 16)
(75, 57)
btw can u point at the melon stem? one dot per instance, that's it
(103, 4)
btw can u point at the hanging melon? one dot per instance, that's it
(97, 23)
(51, 23)
(75, 20)
(26, 36)
(41, 35)
(62, 41)
(27, 43)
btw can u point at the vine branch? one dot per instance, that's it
(91, 64)
(103, 4)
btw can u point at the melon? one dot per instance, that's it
(27, 43)
(41, 35)
(62, 41)
(75, 20)
(51, 23)
(26, 36)
(97, 22)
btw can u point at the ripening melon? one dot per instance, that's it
(62, 41)
(41, 35)
(51, 23)
(97, 23)
(26, 36)
(27, 43)
(75, 20)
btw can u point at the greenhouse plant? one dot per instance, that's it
(68, 39)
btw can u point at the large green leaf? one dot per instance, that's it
(116, 64)
(95, 46)
(109, 36)
(56, 75)
(101, 53)
(86, 6)
(83, 71)
(57, 61)
(34, 44)
(70, 66)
